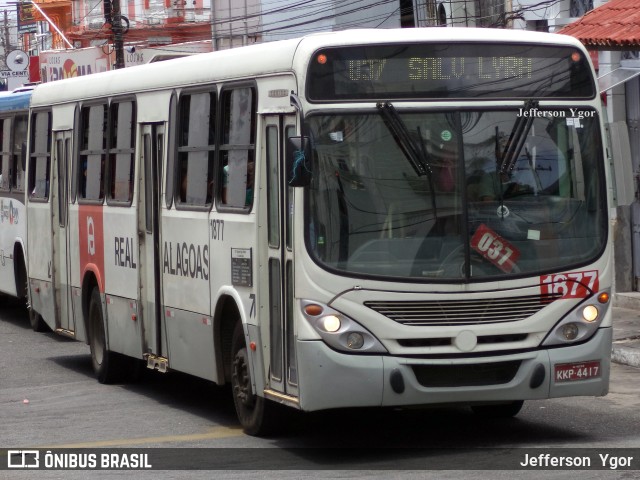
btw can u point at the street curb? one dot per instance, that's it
(625, 355)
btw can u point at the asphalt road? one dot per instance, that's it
(50, 400)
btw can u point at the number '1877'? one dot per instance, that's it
(570, 284)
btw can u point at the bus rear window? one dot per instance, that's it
(449, 71)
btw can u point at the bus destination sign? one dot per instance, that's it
(435, 71)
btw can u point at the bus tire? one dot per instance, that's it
(498, 410)
(36, 321)
(257, 415)
(105, 363)
(22, 284)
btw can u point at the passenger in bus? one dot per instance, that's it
(250, 175)
(183, 188)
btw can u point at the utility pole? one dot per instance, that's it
(113, 17)
(7, 38)
(7, 41)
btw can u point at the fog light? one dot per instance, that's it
(590, 313)
(570, 331)
(355, 340)
(330, 323)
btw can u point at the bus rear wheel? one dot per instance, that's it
(106, 364)
(36, 321)
(258, 416)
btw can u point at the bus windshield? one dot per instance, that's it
(486, 193)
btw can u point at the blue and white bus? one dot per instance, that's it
(14, 110)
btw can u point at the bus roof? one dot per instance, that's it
(263, 59)
(14, 101)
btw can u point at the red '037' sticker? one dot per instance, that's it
(570, 284)
(495, 248)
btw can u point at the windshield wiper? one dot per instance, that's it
(414, 151)
(402, 136)
(509, 155)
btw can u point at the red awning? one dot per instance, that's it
(612, 26)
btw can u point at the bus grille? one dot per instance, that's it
(462, 312)
(442, 376)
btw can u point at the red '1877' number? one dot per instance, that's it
(570, 284)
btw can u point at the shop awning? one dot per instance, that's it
(616, 77)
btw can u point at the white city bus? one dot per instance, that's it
(352, 219)
(14, 110)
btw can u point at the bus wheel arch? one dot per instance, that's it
(226, 317)
(89, 283)
(257, 415)
(108, 366)
(22, 289)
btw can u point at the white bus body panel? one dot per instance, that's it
(39, 248)
(357, 381)
(187, 266)
(13, 220)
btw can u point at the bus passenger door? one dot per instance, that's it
(283, 376)
(60, 229)
(150, 279)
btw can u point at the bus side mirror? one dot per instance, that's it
(298, 161)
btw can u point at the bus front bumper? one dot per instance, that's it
(330, 379)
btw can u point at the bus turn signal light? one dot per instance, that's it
(313, 309)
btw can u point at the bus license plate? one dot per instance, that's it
(571, 372)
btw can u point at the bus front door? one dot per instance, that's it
(61, 259)
(282, 372)
(150, 278)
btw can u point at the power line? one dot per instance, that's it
(312, 15)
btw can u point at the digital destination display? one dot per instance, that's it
(456, 70)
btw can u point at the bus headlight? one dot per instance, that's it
(570, 331)
(581, 323)
(330, 323)
(590, 313)
(339, 331)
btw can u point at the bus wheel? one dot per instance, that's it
(498, 410)
(105, 363)
(36, 321)
(257, 415)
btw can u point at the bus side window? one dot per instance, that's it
(93, 142)
(40, 166)
(196, 149)
(4, 154)
(20, 125)
(121, 152)
(238, 147)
